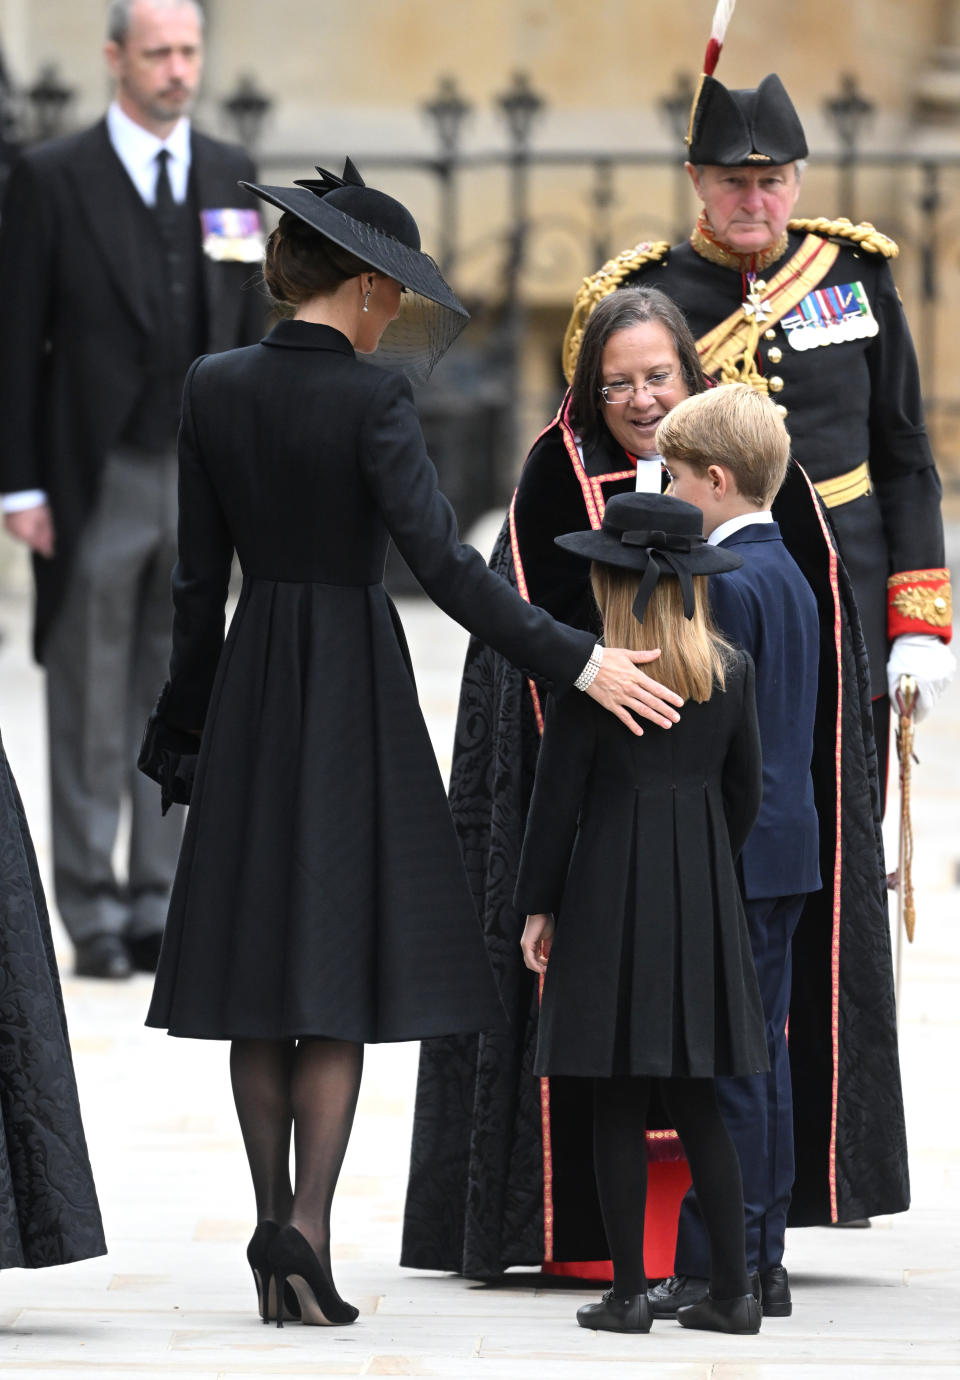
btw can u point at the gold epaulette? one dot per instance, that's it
(599, 285)
(865, 235)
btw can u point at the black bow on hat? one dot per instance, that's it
(327, 180)
(664, 545)
(657, 534)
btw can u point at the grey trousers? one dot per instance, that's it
(106, 658)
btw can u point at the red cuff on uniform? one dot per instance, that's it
(918, 601)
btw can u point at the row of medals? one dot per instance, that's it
(805, 335)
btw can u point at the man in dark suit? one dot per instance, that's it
(125, 251)
(727, 452)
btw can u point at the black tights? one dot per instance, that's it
(308, 1087)
(620, 1157)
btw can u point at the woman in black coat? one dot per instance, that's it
(320, 900)
(634, 911)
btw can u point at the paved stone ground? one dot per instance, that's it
(174, 1298)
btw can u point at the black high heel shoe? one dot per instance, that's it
(257, 1259)
(294, 1265)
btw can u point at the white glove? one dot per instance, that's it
(928, 660)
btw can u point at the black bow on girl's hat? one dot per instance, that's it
(657, 534)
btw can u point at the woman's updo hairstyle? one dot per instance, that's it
(301, 263)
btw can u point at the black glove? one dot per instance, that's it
(168, 755)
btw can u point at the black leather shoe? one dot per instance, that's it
(775, 1293)
(631, 1314)
(145, 951)
(676, 1292)
(102, 956)
(740, 1315)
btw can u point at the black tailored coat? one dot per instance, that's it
(76, 330)
(847, 402)
(320, 889)
(631, 844)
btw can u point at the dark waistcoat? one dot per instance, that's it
(170, 262)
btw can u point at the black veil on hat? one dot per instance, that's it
(381, 231)
(655, 533)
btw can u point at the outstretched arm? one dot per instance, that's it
(403, 483)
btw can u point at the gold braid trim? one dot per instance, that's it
(865, 235)
(599, 285)
(906, 698)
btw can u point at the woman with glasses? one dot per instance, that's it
(501, 1168)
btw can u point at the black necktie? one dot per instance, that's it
(163, 195)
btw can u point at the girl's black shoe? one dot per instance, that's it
(294, 1264)
(257, 1251)
(630, 1314)
(722, 1315)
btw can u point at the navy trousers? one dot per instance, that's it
(758, 1111)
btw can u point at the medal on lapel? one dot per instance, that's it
(830, 316)
(232, 234)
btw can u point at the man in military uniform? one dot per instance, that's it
(806, 311)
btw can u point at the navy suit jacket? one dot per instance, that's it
(767, 607)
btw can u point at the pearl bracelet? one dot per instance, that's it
(589, 673)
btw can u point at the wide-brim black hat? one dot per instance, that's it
(753, 127)
(656, 534)
(381, 231)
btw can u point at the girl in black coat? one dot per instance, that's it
(631, 843)
(320, 900)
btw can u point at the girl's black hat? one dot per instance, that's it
(657, 534)
(381, 231)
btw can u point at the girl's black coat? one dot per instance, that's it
(630, 843)
(320, 889)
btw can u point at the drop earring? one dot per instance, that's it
(366, 299)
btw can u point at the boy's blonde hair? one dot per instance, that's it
(733, 426)
(693, 654)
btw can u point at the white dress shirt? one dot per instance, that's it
(727, 529)
(649, 475)
(137, 150)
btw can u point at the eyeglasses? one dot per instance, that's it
(614, 393)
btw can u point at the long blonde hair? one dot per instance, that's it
(693, 654)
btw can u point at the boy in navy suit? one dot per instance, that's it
(727, 451)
